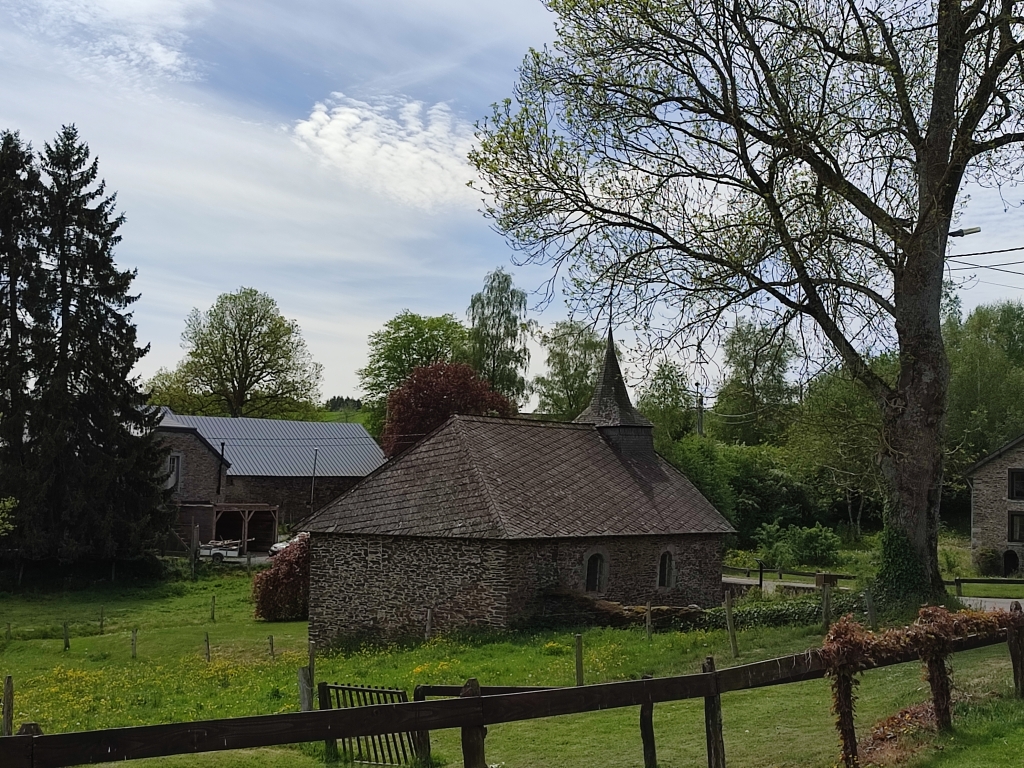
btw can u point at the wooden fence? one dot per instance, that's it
(469, 712)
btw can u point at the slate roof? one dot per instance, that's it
(610, 405)
(491, 478)
(276, 448)
(1000, 451)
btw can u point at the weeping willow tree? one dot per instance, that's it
(799, 162)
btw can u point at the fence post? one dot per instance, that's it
(730, 624)
(579, 659)
(1015, 644)
(207, 641)
(101, 619)
(959, 587)
(869, 604)
(135, 634)
(270, 639)
(713, 719)
(305, 690)
(67, 638)
(826, 607)
(8, 722)
(473, 736)
(647, 732)
(421, 739)
(323, 695)
(649, 628)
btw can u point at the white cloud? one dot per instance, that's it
(413, 154)
(125, 40)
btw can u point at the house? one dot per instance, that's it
(485, 516)
(997, 504)
(239, 478)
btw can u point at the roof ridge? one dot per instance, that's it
(481, 479)
(525, 420)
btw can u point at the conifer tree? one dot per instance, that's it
(19, 276)
(93, 487)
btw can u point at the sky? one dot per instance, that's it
(311, 150)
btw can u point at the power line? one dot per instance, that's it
(987, 253)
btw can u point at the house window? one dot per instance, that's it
(173, 472)
(1016, 532)
(1015, 488)
(595, 573)
(666, 571)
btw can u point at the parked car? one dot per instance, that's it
(283, 545)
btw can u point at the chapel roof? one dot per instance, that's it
(610, 405)
(491, 478)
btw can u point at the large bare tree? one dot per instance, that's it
(800, 161)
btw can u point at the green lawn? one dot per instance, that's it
(96, 684)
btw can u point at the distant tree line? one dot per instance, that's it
(78, 460)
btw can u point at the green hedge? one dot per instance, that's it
(779, 613)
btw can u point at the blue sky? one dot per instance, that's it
(312, 150)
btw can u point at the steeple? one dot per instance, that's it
(613, 414)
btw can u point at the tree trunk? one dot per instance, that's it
(913, 423)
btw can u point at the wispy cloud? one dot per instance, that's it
(120, 39)
(405, 150)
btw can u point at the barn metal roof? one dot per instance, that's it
(277, 448)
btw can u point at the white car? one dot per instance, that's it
(282, 545)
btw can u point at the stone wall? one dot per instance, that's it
(991, 507)
(381, 586)
(631, 570)
(290, 494)
(374, 586)
(199, 468)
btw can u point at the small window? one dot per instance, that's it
(666, 571)
(595, 573)
(1016, 532)
(1016, 485)
(173, 472)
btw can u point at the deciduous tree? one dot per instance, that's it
(242, 358)
(498, 330)
(574, 357)
(406, 341)
(430, 395)
(801, 160)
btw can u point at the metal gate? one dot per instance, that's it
(386, 749)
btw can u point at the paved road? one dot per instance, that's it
(989, 603)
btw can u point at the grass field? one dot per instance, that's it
(96, 683)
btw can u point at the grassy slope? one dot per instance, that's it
(96, 684)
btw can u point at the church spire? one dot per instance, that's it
(610, 405)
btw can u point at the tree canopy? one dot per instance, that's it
(242, 358)
(407, 341)
(430, 395)
(799, 162)
(574, 358)
(498, 330)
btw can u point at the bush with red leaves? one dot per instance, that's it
(281, 593)
(430, 396)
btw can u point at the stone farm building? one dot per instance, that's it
(238, 478)
(997, 504)
(485, 516)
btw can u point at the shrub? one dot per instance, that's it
(988, 562)
(796, 546)
(281, 593)
(797, 611)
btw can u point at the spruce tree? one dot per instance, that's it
(93, 489)
(19, 277)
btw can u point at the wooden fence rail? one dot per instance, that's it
(468, 712)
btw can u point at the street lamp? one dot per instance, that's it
(967, 231)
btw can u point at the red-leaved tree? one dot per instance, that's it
(430, 396)
(281, 593)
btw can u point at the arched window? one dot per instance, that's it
(666, 571)
(595, 573)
